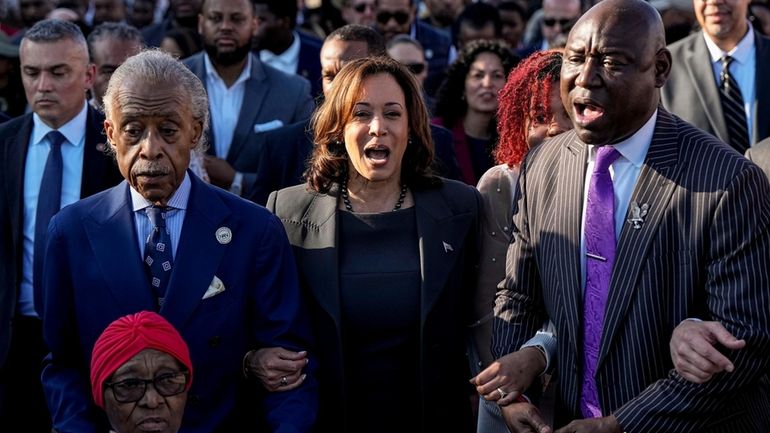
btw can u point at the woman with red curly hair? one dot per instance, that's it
(529, 111)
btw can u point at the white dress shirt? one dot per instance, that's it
(287, 61)
(224, 104)
(174, 219)
(72, 149)
(743, 68)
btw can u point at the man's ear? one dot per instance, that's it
(110, 132)
(663, 62)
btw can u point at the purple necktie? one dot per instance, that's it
(600, 256)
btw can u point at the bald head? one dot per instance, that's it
(609, 79)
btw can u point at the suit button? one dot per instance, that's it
(214, 341)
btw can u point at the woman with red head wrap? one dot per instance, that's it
(140, 374)
(529, 111)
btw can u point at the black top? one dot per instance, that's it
(481, 154)
(380, 300)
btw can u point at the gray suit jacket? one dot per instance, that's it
(703, 250)
(692, 93)
(448, 224)
(760, 154)
(270, 95)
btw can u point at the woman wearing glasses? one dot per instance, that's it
(140, 374)
(467, 103)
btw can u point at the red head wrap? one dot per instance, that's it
(128, 336)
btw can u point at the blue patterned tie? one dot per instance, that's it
(48, 204)
(600, 257)
(157, 252)
(732, 106)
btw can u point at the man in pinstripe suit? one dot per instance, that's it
(692, 232)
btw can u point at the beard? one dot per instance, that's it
(229, 58)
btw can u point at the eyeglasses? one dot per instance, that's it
(361, 7)
(132, 390)
(416, 68)
(401, 17)
(563, 22)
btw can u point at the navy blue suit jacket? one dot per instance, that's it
(99, 173)
(94, 274)
(437, 45)
(309, 66)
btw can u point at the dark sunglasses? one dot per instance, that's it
(416, 68)
(361, 7)
(132, 390)
(401, 17)
(563, 22)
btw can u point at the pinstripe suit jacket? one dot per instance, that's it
(702, 251)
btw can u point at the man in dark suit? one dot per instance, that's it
(282, 47)
(56, 74)
(219, 268)
(395, 17)
(285, 151)
(693, 88)
(245, 95)
(182, 14)
(625, 226)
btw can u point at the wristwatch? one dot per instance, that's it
(237, 186)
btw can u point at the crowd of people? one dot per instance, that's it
(385, 215)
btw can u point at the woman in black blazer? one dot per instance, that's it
(386, 253)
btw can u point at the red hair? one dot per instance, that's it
(526, 94)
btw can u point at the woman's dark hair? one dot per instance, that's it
(451, 105)
(329, 160)
(526, 95)
(188, 40)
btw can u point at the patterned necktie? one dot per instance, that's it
(732, 106)
(48, 204)
(157, 252)
(600, 256)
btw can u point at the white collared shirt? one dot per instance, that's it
(743, 68)
(224, 104)
(174, 219)
(72, 176)
(624, 172)
(287, 61)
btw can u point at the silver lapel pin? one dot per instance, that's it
(637, 214)
(447, 247)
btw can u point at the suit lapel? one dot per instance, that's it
(761, 119)
(199, 253)
(570, 184)
(16, 155)
(94, 159)
(441, 234)
(321, 264)
(253, 99)
(112, 223)
(699, 67)
(655, 186)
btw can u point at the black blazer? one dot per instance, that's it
(448, 224)
(99, 173)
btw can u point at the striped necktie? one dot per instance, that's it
(733, 108)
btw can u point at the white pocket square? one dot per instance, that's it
(268, 126)
(216, 287)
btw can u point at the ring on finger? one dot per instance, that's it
(502, 393)
(284, 382)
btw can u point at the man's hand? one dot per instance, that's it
(693, 352)
(524, 418)
(512, 374)
(607, 424)
(276, 368)
(220, 172)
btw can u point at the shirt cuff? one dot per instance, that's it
(546, 341)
